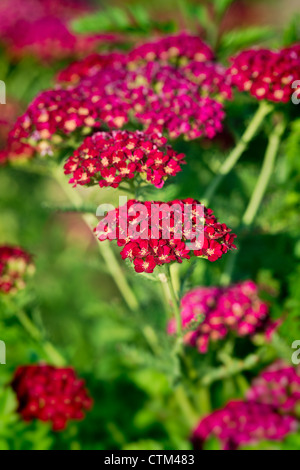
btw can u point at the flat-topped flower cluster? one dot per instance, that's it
(155, 233)
(267, 74)
(110, 158)
(50, 394)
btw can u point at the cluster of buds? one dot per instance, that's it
(156, 233)
(279, 386)
(177, 49)
(267, 74)
(15, 266)
(242, 423)
(89, 66)
(50, 394)
(110, 158)
(216, 311)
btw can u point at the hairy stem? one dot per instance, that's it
(263, 110)
(104, 247)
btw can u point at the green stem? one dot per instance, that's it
(263, 110)
(190, 414)
(175, 304)
(265, 174)
(203, 397)
(54, 356)
(118, 275)
(104, 247)
(258, 193)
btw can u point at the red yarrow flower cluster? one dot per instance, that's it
(153, 233)
(110, 158)
(106, 90)
(267, 74)
(15, 266)
(242, 423)
(51, 394)
(220, 310)
(279, 386)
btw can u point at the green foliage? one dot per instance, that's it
(236, 40)
(221, 6)
(291, 33)
(132, 19)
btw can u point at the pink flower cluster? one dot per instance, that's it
(151, 233)
(178, 49)
(242, 423)
(106, 90)
(40, 28)
(236, 308)
(279, 386)
(267, 74)
(167, 100)
(109, 158)
(51, 394)
(15, 266)
(49, 38)
(270, 412)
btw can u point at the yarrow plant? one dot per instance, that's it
(122, 119)
(242, 423)
(15, 266)
(49, 393)
(221, 310)
(267, 74)
(109, 158)
(152, 233)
